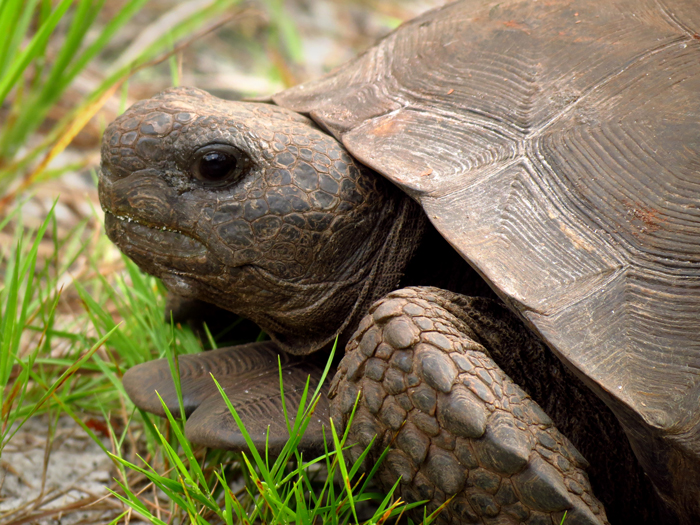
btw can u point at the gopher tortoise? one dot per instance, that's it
(496, 210)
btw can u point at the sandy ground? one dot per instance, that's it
(70, 471)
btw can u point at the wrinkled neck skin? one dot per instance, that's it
(298, 237)
(332, 307)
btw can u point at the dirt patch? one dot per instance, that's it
(58, 485)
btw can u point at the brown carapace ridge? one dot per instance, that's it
(556, 146)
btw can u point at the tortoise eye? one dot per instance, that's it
(215, 166)
(217, 163)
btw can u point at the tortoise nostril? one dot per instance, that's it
(104, 174)
(108, 173)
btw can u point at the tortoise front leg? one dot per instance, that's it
(250, 376)
(457, 425)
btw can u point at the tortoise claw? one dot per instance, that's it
(249, 374)
(260, 408)
(239, 365)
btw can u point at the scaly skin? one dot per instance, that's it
(457, 426)
(297, 236)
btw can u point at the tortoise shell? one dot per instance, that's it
(556, 146)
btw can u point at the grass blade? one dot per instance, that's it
(20, 63)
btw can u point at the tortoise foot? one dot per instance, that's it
(249, 374)
(459, 430)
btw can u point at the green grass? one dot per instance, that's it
(87, 381)
(287, 490)
(32, 380)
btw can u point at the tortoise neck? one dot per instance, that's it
(397, 249)
(376, 271)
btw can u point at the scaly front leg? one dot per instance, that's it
(459, 429)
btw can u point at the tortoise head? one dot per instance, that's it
(253, 208)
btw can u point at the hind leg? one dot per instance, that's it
(458, 428)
